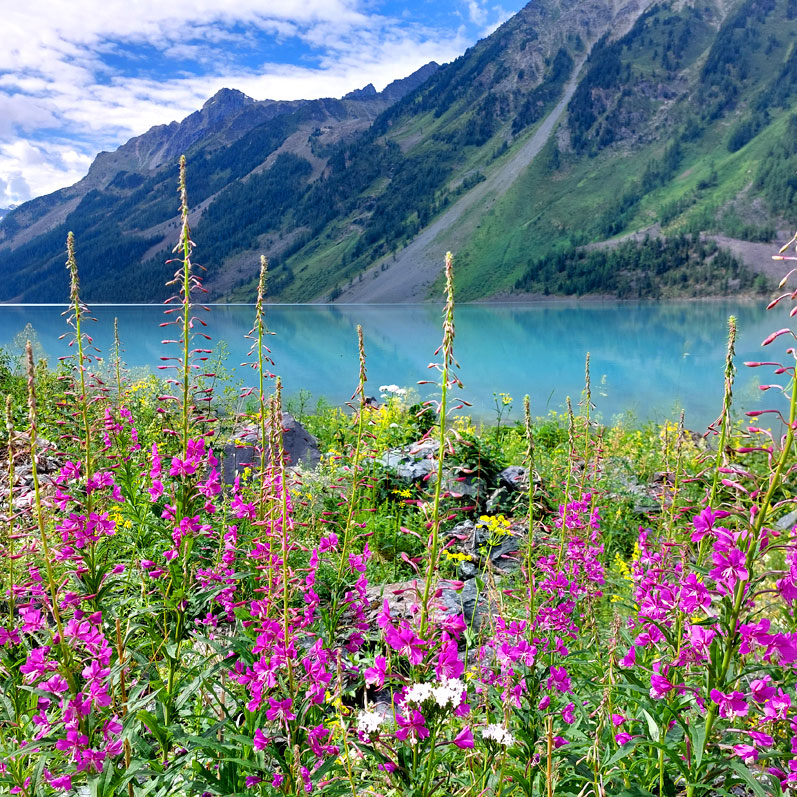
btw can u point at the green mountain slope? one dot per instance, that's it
(576, 123)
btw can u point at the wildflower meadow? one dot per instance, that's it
(303, 630)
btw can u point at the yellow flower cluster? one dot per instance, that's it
(457, 557)
(496, 524)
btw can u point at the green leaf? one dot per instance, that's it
(698, 737)
(744, 773)
(653, 726)
(625, 750)
(158, 731)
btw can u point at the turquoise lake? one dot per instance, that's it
(649, 360)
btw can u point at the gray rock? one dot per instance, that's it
(514, 478)
(411, 463)
(300, 447)
(471, 601)
(787, 522)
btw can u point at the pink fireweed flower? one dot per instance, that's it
(761, 739)
(558, 679)
(180, 467)
(660, 687)
(413, 727)
(693, 595)
(8, 637)
(259, 741)
(61, 783)
(730, 705)
(73, 743)
(730, 568)
(623, 738)
(375, 676)
(328, 543)
(568, 715)
(280, 710)
(384, 619)
(405, 641)
(781, 648)
(746, 752)
(703, 523)
(464, 739)
(777, 707)
(760, 690)
(629, 660)
(448, 664)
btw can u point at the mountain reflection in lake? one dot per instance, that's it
(647, 359)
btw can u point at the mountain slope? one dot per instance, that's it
(576, 122)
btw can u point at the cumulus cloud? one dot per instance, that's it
(77, 76)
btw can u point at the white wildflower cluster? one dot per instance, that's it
(499, 734)
(443, 693)
(368, 722)
(392, 390)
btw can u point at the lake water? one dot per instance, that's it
(647, 359)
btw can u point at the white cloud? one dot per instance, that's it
(32, 169)
(477, 12)
(69, 68)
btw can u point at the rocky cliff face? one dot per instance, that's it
(575, 122)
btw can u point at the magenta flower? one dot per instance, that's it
(660, 687)
(730, 705)
(280, 710)
(746, 752)
(761, 739)
(415, 726)
(260, 740)
(760, 689)
(61, 783)
(464, 739)
(623, 738)
(629, 660)
(559, 679)
(704, 523)
(448, 663)
(730, 568)
(73, 743)
(693, 595)
(375, 676)
(405, 641)
(777, 707)
(180, 467)
(568, 715)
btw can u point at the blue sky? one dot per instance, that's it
(80, 76)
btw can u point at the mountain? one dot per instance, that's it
(6, 211)
(635, 148)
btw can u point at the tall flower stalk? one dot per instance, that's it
(188, 283)
(77, 311)
(359, 394)
(448, 379)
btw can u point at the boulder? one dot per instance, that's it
(412, 463)
(514, 478)
(241, 451)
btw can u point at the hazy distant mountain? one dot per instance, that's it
(575, 125)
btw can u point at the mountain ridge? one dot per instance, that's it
(572, 123)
